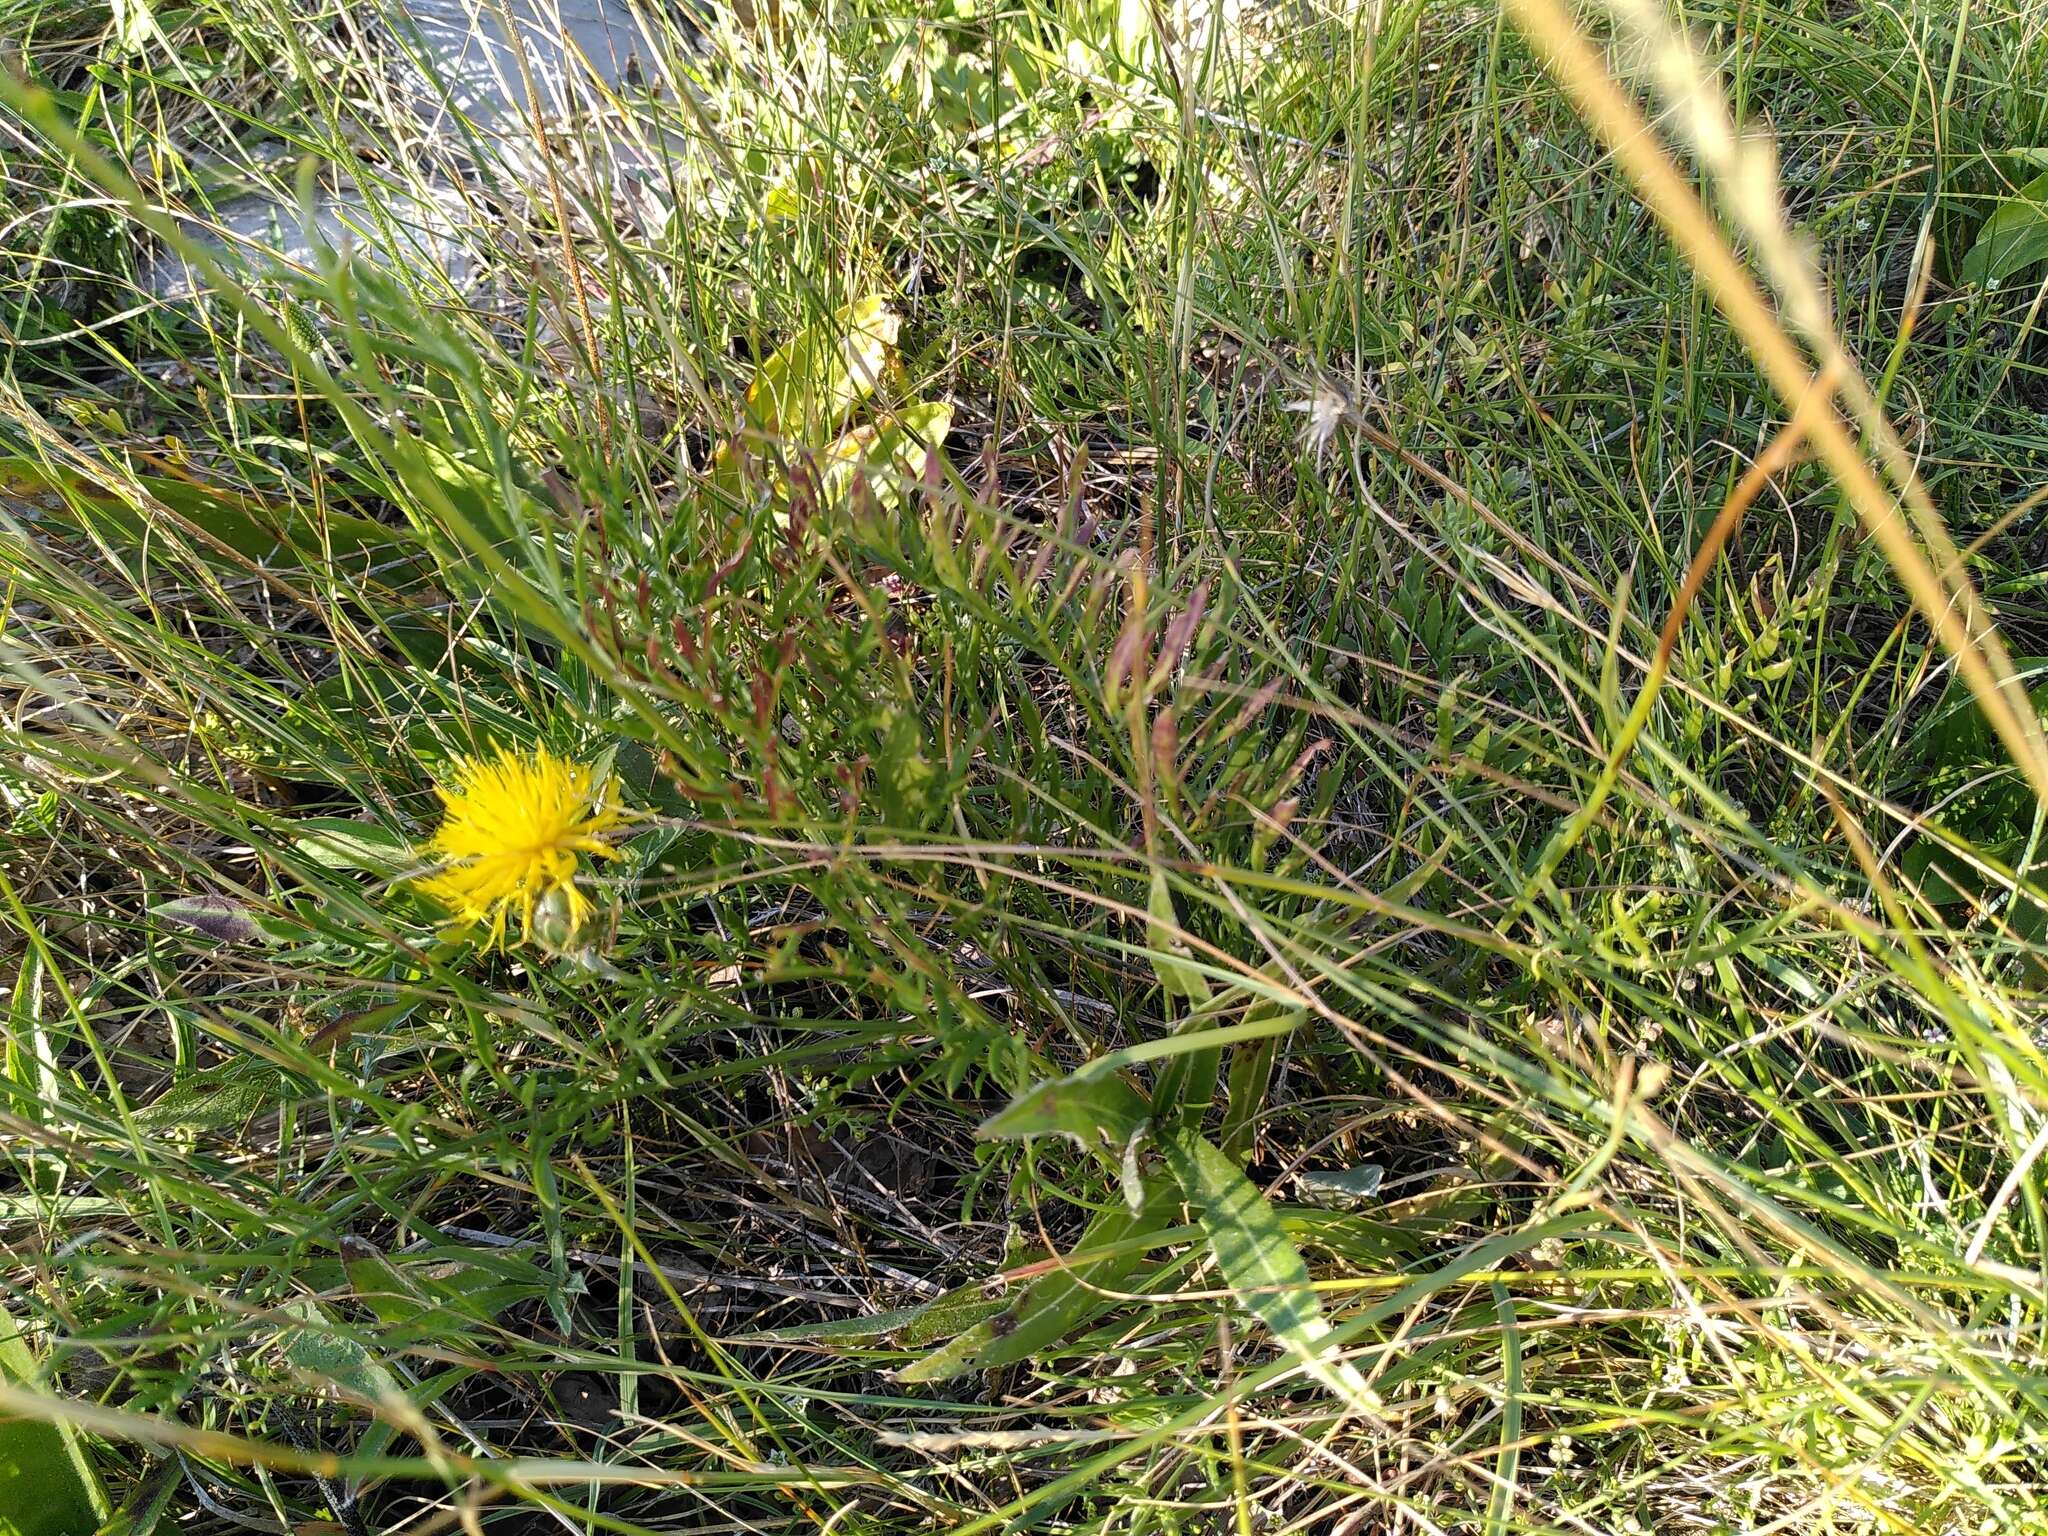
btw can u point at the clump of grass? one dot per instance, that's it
(1546, 1020)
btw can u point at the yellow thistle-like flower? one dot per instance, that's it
(512, 830)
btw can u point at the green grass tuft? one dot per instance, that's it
(1176, 642)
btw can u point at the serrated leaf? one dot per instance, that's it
(1256, 1257)
(47, 1487)
(2015, 236)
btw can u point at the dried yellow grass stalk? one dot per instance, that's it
(1902, 519)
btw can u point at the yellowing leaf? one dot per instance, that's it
(780, 203)
(810, 384)
(890, 452)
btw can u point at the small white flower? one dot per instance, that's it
(1325, 409)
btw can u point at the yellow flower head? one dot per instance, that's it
(512, 828)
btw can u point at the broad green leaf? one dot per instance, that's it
(226, 920)
(1342, 1188)
(58, 1208)
(316, 1346)
(1265, 1024)
(47, 1487)
(781, 202)
(1987, 811)
(945, 1316)
(335, 843)
(324, 729)
(1256, 1258)
(1251, 1076)
(483, 503)
(808, 386)
(1167, 950)
(2015, 236)
(216, 1098)
(1187, 1085)
(438, 1292)
(1098, 1109)
(1945, 878)
(1095, 1104)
